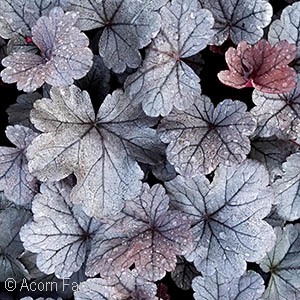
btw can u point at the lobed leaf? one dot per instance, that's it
(165, 80)
(60, 287)
(284, 265)
(101, 150)
(64, 54)
(17, 183)
(19, 112)
(250, 286)
(277, 113)
(271, 152)
(60, 232)
(128, 285)
(164, 171)
(147, 235)
(202, 137)
(274, 219)
(262, 66)
(227, 217)
(128, 25)
(184, 274)
(21, 43)
(287, 189)
(18, 16)
(11, 220)
(97, 80)
(287, 28)
(239, 20)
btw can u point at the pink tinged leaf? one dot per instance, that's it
(162, 292)
(249, 84)
(128, 285)
(27, 69)
(18, 184)
(263, 66)
(150, 236)
(64, 54)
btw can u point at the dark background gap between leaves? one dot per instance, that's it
(211, 64)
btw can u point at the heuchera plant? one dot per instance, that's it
(122, 178)
(261, 66)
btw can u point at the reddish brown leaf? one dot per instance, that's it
(162, 292)
(262, 66)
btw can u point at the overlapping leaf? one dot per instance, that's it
(21, 43)
(184, 273)
(287, 28)
(18, 184)
(60, 232)
(18, 16)
(202, 137)
(4, 202)
(165, 80)
(250, 286)
(128, 25)
(60, 287)
(64, 54)
(226, 217)
(239, 20)
(147, 235)
(19, 112)
(271, 152)
(217, 222)
(277, 113)
(274, 219)
(283, 262)
(128, 285)
(97, 80)
(164, 171)
(100, 150)
(287, 189)
(11, 220)
(262, 66)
